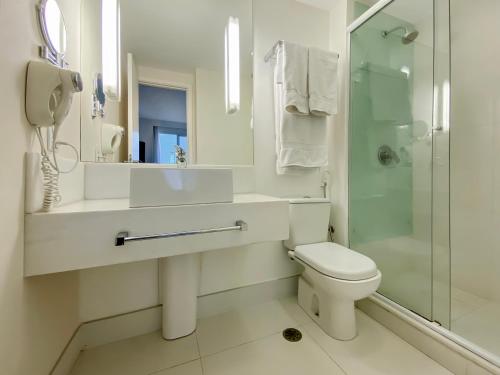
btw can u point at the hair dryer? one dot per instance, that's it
(49, 94)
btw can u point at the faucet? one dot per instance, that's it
(180, 157)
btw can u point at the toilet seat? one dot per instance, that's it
(337, 261)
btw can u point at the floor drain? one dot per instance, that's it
(292, 334)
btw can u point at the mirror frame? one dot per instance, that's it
(49, 51)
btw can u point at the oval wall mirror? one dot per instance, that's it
(53, 30)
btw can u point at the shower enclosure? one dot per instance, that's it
(424, 135)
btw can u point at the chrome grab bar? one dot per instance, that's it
(123, 237)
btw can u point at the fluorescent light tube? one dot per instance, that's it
(232, 65)
(111, 48)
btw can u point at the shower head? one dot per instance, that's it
(408, 36)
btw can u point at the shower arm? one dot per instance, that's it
(386, 33)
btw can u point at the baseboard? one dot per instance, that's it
(135, 323)
(219, 302)
(444, 351)
(69, 355)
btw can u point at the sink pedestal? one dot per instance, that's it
(180, 277)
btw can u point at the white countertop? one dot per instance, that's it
(97, 205)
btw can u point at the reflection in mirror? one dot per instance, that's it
(162, 123)
(177, 70)
(53, 31)
(98, 97)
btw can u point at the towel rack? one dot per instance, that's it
(272, 52)
(123, 237)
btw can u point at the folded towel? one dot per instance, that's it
(322, 82)
(294, 67)
(300, 140)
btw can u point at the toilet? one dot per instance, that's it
(334, 276)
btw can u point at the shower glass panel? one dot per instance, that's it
(391, 148)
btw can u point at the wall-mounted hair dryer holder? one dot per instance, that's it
(49, 94)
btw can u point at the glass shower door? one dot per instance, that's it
(391, 149)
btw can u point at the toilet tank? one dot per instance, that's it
(309, 219)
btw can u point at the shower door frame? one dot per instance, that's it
(445, 335)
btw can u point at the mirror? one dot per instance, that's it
(98, 97)
(186, 81)
(53, 31)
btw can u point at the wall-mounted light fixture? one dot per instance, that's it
(110, 23)
(232, 65)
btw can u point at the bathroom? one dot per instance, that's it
(408, 183)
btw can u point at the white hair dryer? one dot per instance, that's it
(49, 94)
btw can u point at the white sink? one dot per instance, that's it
(160, 186)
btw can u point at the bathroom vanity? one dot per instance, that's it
(83, 234)
(123, 213)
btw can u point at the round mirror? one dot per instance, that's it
(53, 27)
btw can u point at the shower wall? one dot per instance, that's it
(475, 147)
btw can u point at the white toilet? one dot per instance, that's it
(334, 276)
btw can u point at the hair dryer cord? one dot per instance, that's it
(51, 171)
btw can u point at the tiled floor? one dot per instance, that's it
(249, 342)
(476, 319)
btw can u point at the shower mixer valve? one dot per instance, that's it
(387, 156)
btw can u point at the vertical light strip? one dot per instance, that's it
(111, 48)
(232, 65)
(436, 109)
(446, 106)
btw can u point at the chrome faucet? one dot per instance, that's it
(180, 157)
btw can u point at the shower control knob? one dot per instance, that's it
(387, 156)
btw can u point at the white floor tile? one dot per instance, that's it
(237, 327)
(191, 368)
(375, 350)
(272, 356)
(140, 355)
(463, 303)
(481, 327)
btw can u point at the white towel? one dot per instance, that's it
(294, 75)
(322, 82)
(300, 140)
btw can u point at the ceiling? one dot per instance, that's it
(321, 4)
(182, 35)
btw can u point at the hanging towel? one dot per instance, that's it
(294, 74)
(300, 140)
(322, 82)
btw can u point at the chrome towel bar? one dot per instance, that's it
(123, 237)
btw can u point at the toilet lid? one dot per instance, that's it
(337, 261)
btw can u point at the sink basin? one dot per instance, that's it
(160, 186)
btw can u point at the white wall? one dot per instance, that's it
(338, 131)
(38, 315)
(214, 127)
(475, 147)
(111, 290)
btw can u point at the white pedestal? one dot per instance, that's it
(336, 316)
(180, 277)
